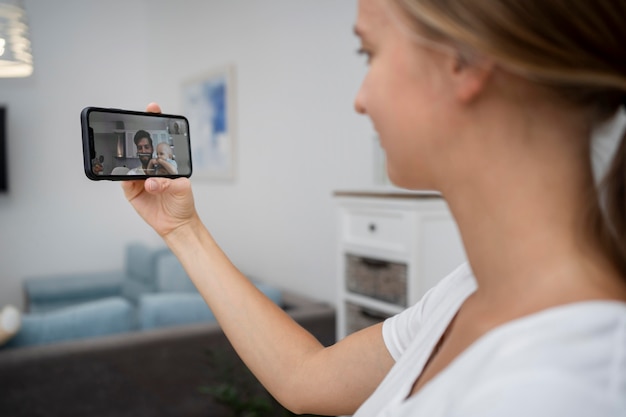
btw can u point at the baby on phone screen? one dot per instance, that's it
(164, 163)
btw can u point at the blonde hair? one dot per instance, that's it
(574, 47)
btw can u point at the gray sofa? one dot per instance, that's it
(156, 372)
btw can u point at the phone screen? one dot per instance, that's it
(124, 144)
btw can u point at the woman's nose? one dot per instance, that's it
(359, 101)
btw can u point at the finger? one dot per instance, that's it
(132, 188)
(153, 108)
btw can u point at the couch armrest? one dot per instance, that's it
(56, 291)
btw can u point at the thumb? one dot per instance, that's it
(160, 185)
(155, 185)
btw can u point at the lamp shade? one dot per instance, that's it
(16, 59)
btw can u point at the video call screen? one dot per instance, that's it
(139, 144)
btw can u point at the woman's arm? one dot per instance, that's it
(296, 369)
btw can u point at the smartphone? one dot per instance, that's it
(123, 145)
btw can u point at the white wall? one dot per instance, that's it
(298, 136)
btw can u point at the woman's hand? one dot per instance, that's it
(165, 204)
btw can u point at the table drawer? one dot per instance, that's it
(378, 229)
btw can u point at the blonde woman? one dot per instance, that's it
(493, 104)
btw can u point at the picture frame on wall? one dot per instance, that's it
(209, 105)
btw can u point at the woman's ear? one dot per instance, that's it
(470, 76)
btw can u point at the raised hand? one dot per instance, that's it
(165, 204)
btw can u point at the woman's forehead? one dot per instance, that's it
(371, 16)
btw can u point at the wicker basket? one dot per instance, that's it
(382, 280)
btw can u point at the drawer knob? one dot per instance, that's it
(372, 227)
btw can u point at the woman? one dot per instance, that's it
(493, 104)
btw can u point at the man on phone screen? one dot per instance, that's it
(145, 149)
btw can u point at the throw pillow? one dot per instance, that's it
(10, 322)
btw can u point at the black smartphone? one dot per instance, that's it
(123, 145)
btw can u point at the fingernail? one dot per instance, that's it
(151, 185)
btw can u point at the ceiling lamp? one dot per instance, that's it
(16, 59)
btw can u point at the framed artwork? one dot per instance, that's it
(209, 105)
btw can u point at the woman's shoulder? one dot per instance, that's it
(450, 292)
(570, 355)
(431, 313)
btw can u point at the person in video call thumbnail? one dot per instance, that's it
(145, 149)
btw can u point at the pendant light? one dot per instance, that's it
(16, 59)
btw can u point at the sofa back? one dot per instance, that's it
(176, 300)
(141, 269)
(170, 275)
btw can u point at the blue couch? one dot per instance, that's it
(50, 293)
(151, 373)
(151, 292)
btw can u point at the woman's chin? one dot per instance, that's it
(412, 184)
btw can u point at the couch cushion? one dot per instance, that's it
(141, 261)
(132, 290)
(96, 318)
(57, 291)
(169, 309)
(173, 308)
(171, 277)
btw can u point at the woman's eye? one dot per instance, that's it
(366, 53)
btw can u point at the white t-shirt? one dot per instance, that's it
(565, 361)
